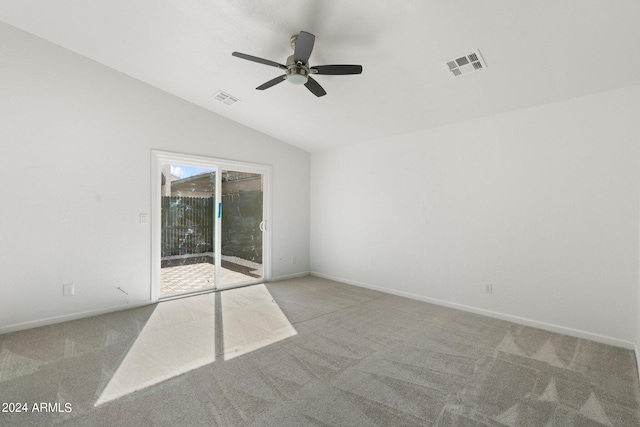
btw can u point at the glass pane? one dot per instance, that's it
(241, 236)
(187, 229)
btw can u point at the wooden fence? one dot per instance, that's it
(241, 217)
(187, 225)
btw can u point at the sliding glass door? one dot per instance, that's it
(242, 227)
(209, 224)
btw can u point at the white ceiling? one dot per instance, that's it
(536, 52)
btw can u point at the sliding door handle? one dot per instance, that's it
(263, 227)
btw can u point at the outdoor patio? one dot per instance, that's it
(194, 276)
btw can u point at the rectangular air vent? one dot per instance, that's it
(466, 64)
(225, 98)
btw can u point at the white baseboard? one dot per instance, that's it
(289, 276)
(515, 319)
(74, 316)
(508, 317)
(65, 318)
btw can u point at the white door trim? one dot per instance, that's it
(159, 157)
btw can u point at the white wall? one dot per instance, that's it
(543, 203)
(75, 151)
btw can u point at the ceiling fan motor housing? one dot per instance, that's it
(296, 73)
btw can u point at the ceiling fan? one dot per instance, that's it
(297, 70)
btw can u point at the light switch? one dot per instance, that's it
(143, 218)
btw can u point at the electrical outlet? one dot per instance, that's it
(68, 290)
(488, 288)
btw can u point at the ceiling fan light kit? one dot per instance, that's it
(297, 74)
(297, 70)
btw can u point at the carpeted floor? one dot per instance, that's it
(326, 354)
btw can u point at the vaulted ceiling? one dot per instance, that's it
(536, 52)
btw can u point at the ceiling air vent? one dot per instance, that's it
(466, 64)
(225, 98)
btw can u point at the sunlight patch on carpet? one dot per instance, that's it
(188, 333)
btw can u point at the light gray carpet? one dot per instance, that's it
(360, 358)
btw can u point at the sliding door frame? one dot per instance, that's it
(158, 158)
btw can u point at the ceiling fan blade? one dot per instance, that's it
(315, 87)
(336, 70)
(259, 60)
(272, 82)
(304, 46)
